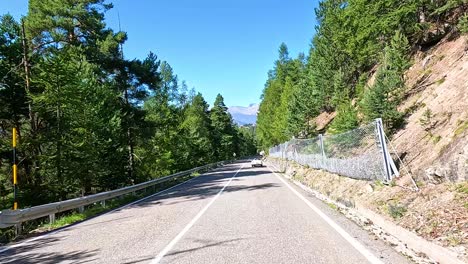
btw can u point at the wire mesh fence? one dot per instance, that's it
(358, 153)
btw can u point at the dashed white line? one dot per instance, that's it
(174, 241)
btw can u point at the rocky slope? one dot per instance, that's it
(434, 141)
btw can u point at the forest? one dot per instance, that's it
(355, 66)
(87, 118)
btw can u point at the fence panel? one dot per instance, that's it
(356, 154)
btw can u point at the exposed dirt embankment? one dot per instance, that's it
(437, 213)
(434, 141)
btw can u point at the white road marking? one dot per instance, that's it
(358, 246)
(6, 248)
(174, 241)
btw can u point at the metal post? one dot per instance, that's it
(385, 155)
(322, 148)
(51, 218)
(18, 229)
(15, 172)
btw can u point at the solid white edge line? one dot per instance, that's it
(176, 239)
(6, 248)
(358, 246)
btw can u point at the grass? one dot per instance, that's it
(454, 240)
(441, 81)
(426, 119)
(462, 188)
(90, 211)
(396, 211)
(332, 206)
(436, 139)
(461, 193)
(378, 185)
(420, 184)
(65, 220)
(462, 126)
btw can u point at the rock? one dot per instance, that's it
(435, 34)
(442, 172)
(369, 188)
(434, 178)
(426, 61)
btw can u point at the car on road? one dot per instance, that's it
(256, 163)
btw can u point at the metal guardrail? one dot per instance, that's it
(16, 217)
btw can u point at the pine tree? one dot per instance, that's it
(382, 99)
(224, 133)
(199, 136)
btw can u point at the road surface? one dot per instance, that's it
(234, 214)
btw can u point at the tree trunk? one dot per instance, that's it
(130, 147)
(27, 76)
(31, 163)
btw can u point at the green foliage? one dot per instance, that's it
(224, 134)
(352, 39)
(426, 119)
(463, 24)
(286, 106)
(197, 128)
(396, 211)
(90, 120)
(345, 120)
(462, 188)
(383, 98)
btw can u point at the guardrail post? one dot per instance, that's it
(51, 218)
(103, 203)
(322, 148)
(387, 160)
(81, 209)
(18, 229)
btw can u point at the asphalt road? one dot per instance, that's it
(235, 214)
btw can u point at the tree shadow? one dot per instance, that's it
(23, 254)
(206, 245)
(207, 186)
(204, 187)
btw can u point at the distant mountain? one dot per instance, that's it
(244, 115)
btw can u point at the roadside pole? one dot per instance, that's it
(15, 172)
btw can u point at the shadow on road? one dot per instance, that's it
(209, 185)
(206, 245)
(23, 254)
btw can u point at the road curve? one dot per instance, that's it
(234, 214)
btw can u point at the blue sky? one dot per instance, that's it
(217, 46)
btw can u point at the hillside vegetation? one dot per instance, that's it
(88, 118)
(355, 41)
(362, 64)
